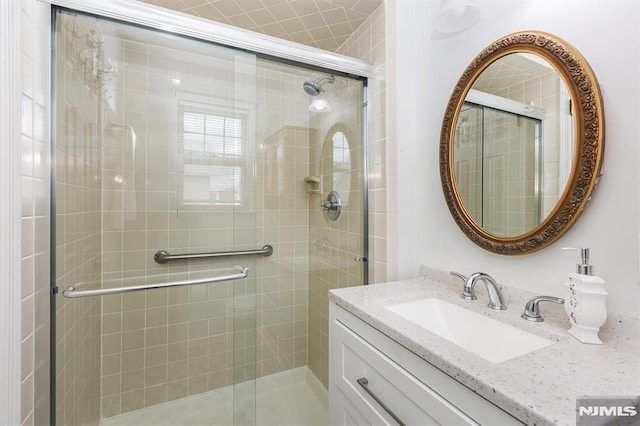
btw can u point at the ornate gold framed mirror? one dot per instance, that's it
(522, 143)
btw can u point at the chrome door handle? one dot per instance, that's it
(364, 382)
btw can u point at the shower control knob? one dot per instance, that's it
(332, 205)
(327, 205)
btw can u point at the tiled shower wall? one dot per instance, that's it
(283, 291)
(35, 43)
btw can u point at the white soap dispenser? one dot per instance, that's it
(586, 301)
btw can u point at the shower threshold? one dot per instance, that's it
(288, 398)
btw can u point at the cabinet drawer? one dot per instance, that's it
(345, 412)
(411, 401)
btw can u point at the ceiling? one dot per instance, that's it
(511, 70)
(325, 24)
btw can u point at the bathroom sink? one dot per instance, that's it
(490, 339)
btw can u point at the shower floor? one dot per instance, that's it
(289, 398)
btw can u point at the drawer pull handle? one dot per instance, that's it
(362, 381)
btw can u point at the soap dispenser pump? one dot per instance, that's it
(586, 301)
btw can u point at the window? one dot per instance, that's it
(341, 165)
(212, 150)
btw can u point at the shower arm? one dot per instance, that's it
(330, 77)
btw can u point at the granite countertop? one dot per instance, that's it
(539, 388)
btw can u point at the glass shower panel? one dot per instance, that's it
(510, 198)
(167, 143)
(155, 150)
(336, 247)
(498, 169)
(468, 159)
(295, 171)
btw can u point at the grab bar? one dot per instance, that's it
(163, 256)
(71, 292)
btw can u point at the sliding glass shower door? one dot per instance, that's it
(499, 167)
(167, 146)
(155, 150)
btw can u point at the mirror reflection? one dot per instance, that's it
(513, 144)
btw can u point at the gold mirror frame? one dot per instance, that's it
(588, 143)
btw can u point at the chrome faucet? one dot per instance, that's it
(496, 300)
(532, 310)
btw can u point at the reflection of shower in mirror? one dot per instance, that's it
(462, 131)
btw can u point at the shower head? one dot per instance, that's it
(313, 87)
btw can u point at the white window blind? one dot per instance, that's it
(212, 154)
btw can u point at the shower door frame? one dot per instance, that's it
(263, 46)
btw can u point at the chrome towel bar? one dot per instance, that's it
(71, 292)
(163, 256)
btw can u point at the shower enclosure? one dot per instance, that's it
(169, 143)
(499, 163)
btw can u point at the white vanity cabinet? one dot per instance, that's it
(373, 380)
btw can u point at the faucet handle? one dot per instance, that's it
(459, 275)
(468, 293)
(532, 308)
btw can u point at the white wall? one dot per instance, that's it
(24, 217)
(10, 215)
(606, 33)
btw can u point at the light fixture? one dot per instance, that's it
(319, 105)
(456, 16)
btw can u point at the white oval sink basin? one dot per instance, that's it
(490, 339)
